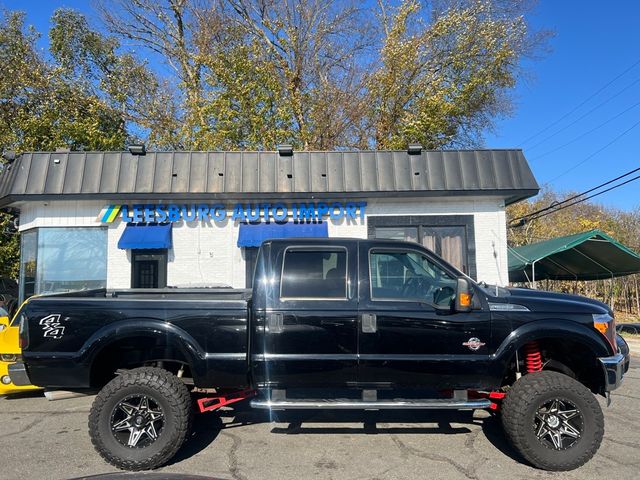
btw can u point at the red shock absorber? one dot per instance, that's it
(532, 357)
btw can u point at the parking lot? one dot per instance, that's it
(49, 440)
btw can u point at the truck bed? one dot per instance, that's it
(70, 332)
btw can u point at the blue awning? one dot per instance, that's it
(145, 236)
(252, 235)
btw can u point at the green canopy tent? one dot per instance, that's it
(591, 255)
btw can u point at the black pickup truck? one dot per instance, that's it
(330, 323)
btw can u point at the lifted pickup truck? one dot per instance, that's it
(330, 323)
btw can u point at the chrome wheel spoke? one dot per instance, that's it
(151, 431)
(134, 437)
(156, 414)
(569, 430)
(127, 408)
(557, 439)
(568, 414)
(124, 424)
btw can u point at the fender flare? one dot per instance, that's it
(167, 333)
(544, 329)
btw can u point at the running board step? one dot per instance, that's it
(399, 403)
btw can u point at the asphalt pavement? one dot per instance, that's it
(49, 440)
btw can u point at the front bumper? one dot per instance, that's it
(614, 368)
(18, 374)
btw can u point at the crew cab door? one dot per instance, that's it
(409, 334)
(309, 328)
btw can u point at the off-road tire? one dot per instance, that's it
(522, 402)
(171, 396)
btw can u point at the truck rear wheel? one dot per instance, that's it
(553, 421)
(140, 419)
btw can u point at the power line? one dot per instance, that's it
(586, 133)
(587, 198)
(556, 204)
(637, 62)
(615, 139)
(547, 138)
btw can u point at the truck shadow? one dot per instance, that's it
(396, 422)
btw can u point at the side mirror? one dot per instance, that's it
(464, 295)
(4, 323)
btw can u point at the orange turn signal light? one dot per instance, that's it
(465, 299)
(602, 327)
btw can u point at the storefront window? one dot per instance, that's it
(62, 260)
(28, 252)
(451, 237)
(448, 242)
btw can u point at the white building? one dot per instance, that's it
(117, 220)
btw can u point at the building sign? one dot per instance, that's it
(242, 212)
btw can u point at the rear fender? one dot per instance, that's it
(165, 333)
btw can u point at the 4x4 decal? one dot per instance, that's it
(51, 326)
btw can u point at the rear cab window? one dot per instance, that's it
(314, 273)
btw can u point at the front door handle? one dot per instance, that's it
(369, 323)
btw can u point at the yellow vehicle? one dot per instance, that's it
(9, 353)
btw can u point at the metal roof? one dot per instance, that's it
(184, 175)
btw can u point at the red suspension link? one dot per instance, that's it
(532, 357)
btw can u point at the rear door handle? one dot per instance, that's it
(369, 323)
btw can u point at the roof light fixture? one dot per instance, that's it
(137, 149)
(285, 150)
(414, 149)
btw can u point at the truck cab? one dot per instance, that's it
(367, 314)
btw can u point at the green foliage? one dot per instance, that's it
(9, 247)
(441, 83)
(41, 108)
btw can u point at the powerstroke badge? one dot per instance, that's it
(51, 326)
(474, 344)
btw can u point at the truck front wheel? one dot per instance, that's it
(553, 421)
(140, 419)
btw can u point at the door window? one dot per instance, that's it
(314, 273)
(405, 275)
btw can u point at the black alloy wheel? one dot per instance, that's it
(552, 420)
(140, 419)
(137, 421)
(558, 424)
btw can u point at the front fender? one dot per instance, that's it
(544, 329)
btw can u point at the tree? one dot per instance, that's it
(9, 247)
(167, 28)
(325, 74)
(441, 80)
(40, 109)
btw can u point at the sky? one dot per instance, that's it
(576, 109)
